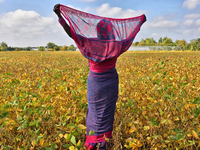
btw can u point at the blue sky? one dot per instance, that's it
(33, 23)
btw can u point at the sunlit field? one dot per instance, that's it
(43, 101)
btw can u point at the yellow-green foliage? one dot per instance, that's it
(50, 49)
(43, 100)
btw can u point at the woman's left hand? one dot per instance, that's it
(56, 9)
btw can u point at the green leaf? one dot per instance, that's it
(193, 81)
(196, 101)
(73, 140)
(155, 136)
(67, 146)
(4, 114)
(6, 106)
(34, 95)
(49, 107)
(68, 137)
(79, 129)
(165, 73)
(29, 93)
(161, 63)
(71, 125)
(179, 137)
(79, 144)
(32, 123)
(161, 112)
(39, 85)
(74, 95)
(47, 148)
(39, 138)
(163, 121)
(167, 96)
(75, 133)
(53, 146)
(91, 132)
(191, 142)
(150, 107)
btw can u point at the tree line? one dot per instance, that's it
(194, 44)
(53, 47)
(50, 47)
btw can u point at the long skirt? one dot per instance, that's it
(102, 94)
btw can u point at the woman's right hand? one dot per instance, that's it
(56, 9)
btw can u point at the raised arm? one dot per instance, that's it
(61, 20)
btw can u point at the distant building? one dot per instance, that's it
(139, 48)
(154, 48)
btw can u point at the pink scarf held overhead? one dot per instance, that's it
(101, 38)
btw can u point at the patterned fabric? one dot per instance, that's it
(102, 94)
(102, 66)
(105, 30)
(99, 38)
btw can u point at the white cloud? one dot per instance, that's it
(74, 7)
(154, 34)
(163, 24)
(191, 4)
(198, 22)
(198, 29)
(186, 32)
(192, 16)
(1, 1)
(24, 28)
(117, 12)
(22, 22)
(88, 9)
(25, 19)
(188, 22)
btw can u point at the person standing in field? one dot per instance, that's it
(101, 40)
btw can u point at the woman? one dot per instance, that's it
(101, 40)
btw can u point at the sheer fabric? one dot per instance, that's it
(100, 38)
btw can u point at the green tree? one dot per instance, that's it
(195, 44)
(176, 42)
(198, 45)
(27, 48)
(160, 41)
(182, 44)
(142, 43)
(41, 48)
(56, 48)
(71, 48)
(147, 42)
(168, 42)
(10, 48)
(136, 43)
(64, 48)
(188, 47)
(50, 45)
(4, 46)
(152, 42)
(164, 39)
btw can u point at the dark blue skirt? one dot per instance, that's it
(102, 94)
